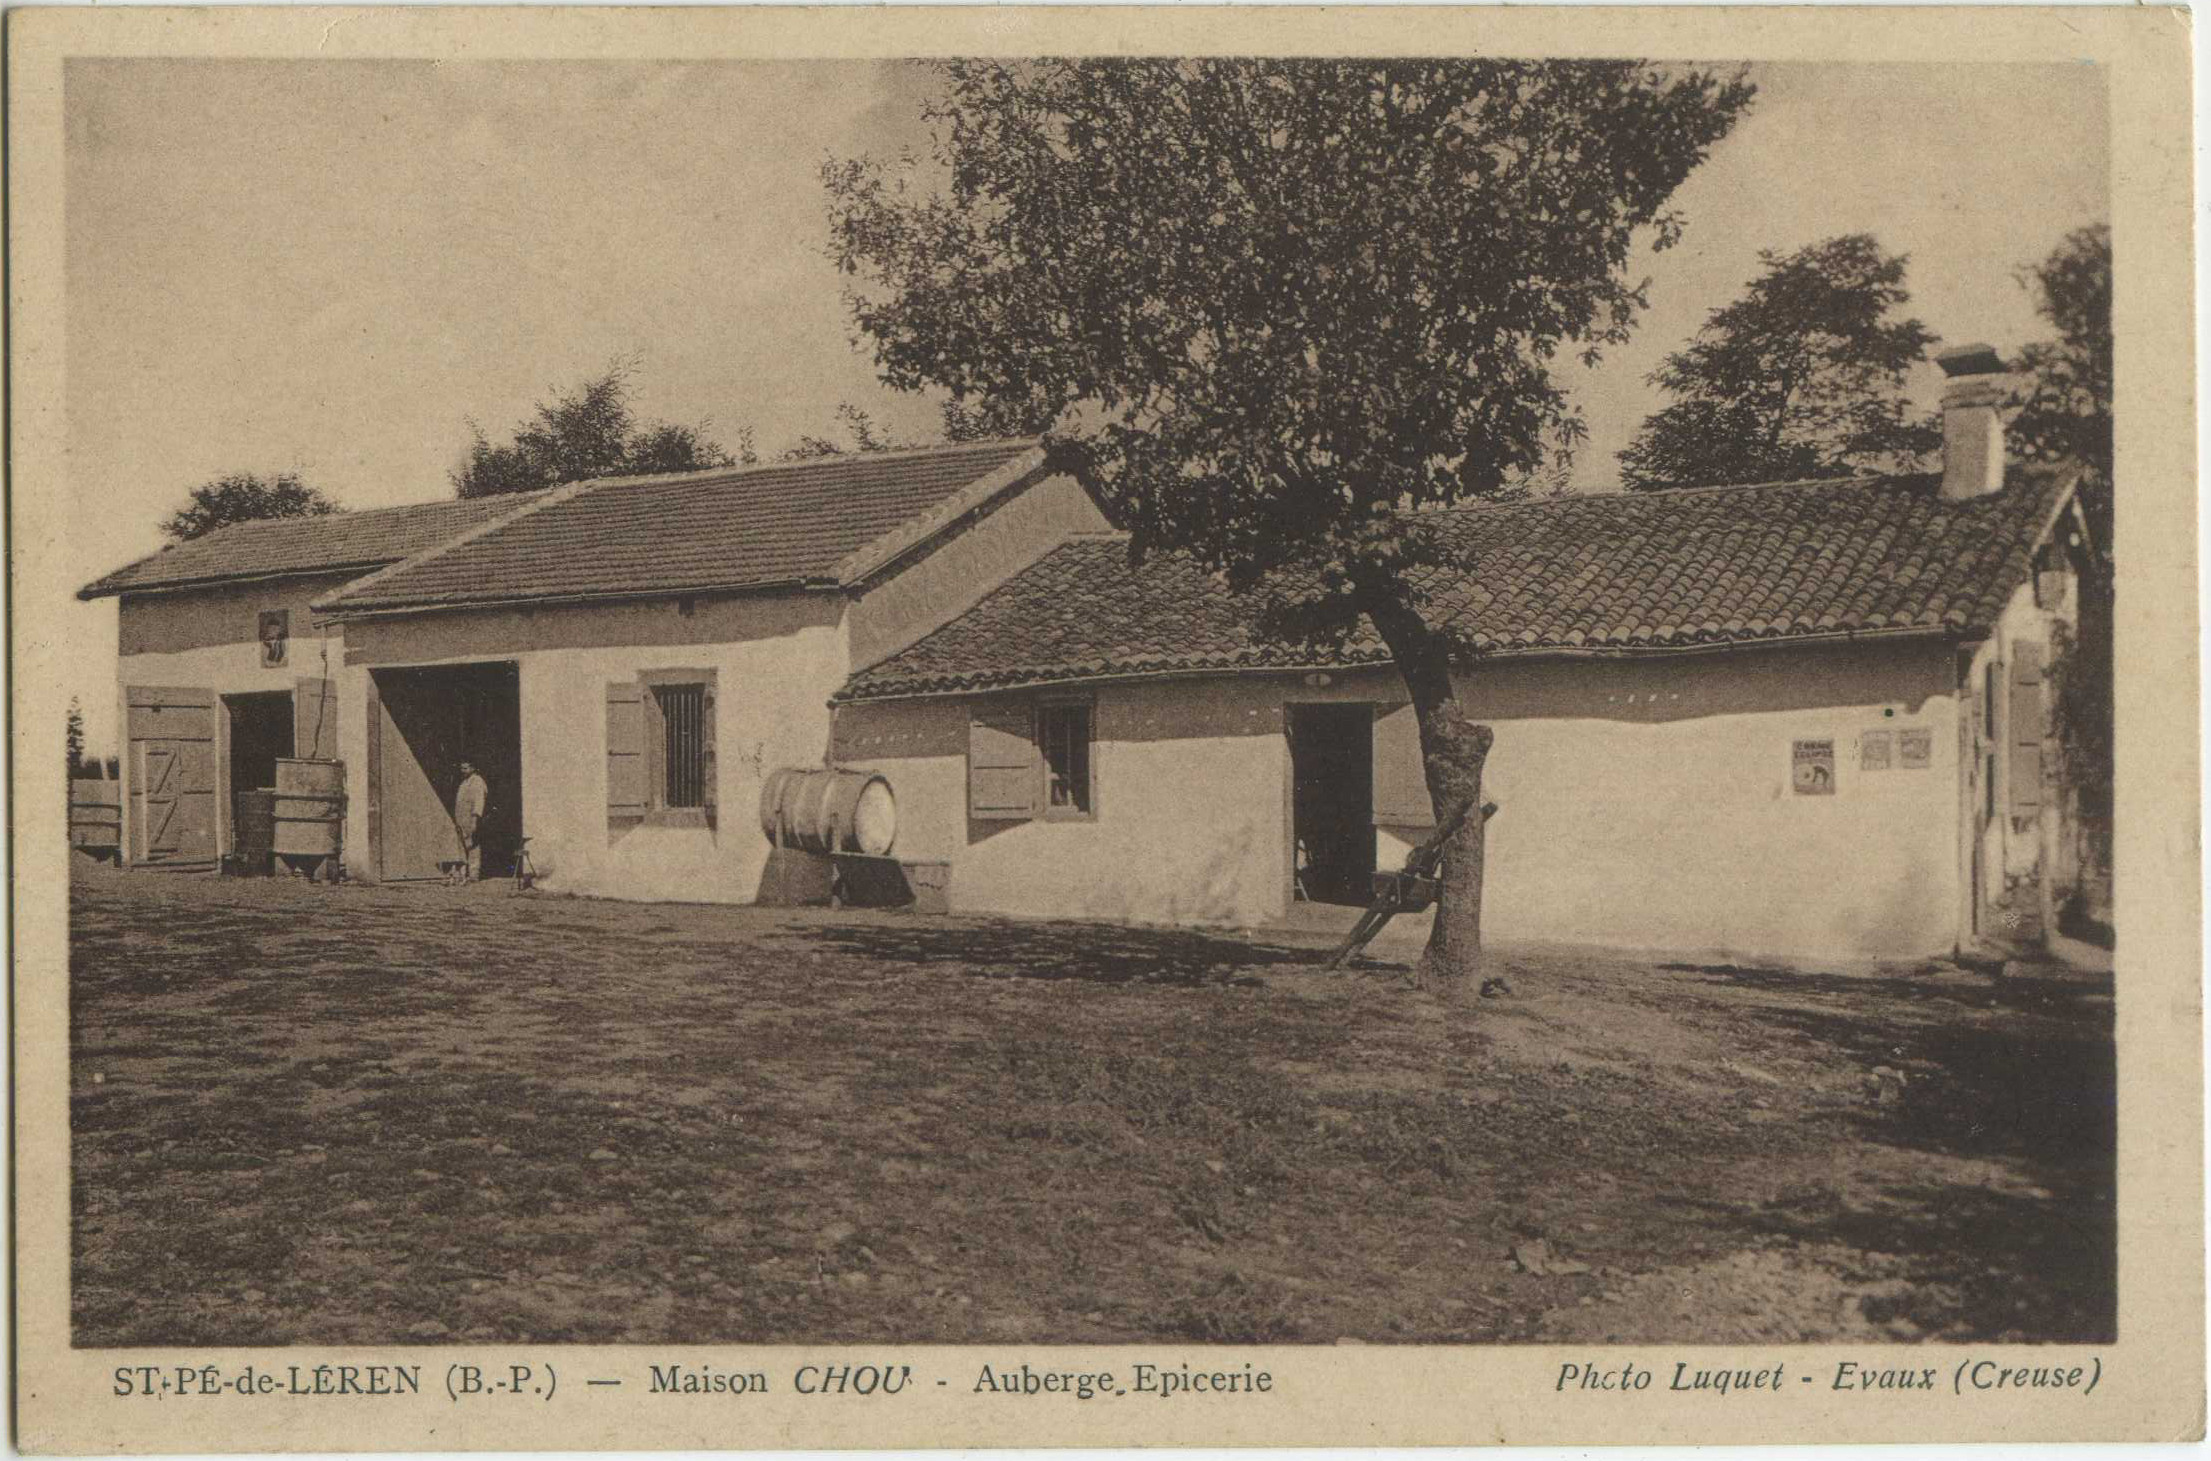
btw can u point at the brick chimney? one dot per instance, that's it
(1972, 425)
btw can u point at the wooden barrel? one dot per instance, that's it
(829, 809)
(309, 808)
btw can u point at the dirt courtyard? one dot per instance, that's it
(363, 1115)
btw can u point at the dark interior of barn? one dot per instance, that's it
(431, 720)
(260, 733)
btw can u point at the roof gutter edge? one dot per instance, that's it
(1548, 652)
(338, 613)
(87, 594)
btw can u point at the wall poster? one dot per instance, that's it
(1812, 767)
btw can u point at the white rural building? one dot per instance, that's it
(624, 660)
(1800, 718)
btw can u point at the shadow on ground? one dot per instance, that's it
(2014, 1076)
(1099, 953)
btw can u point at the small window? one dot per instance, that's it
(683, 745)
(1063, 731)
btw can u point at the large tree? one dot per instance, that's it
(1258, 308)
(1803, 376)
(590, 431)
(243, 497)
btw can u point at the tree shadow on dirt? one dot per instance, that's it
(1958, 1262)
(2059, 992)
(2030, 1074)
(2018, 1071)
(1103, 953)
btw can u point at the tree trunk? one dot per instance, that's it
(1453, 751)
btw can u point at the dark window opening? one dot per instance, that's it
(1064, 731)
(683, 729)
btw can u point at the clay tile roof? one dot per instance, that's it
(821, 523)
(356, 541)
(1617, 571)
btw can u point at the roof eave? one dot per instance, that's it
(1039, 679)
(336, 612)
(103, 589)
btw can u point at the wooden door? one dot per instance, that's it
(171, 735)
(417, 728)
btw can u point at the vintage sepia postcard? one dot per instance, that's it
(971, 728)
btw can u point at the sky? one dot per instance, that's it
(334, 267)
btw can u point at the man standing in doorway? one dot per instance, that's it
(468, 811)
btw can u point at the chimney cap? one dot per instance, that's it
(1968, 360)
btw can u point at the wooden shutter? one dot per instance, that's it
(1002, 765)
(2027, 722)
(625, 754)
(707, 768)
(315, 720)
(1400, 783)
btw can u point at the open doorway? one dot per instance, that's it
(426, 722)
(260, 734)
(1332, 800)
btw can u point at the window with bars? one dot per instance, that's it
(660, 750)
(1063, 735)
(683, 745)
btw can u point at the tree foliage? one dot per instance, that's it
(242, 497)
(860, 427)
(1803, 376)
(2063, 414)
(2063, 405)
(1261, 303)
(1257, 307)
(590, 431)
(73, 738)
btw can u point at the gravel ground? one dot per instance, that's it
(379, 1115)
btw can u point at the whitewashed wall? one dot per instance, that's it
(1189, 827)
(1646, 804)
(778, 660)
(2013, 851)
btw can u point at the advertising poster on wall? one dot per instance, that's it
(1812, 767)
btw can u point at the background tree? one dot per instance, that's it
(2064, 415)
(859, 426)
(73, 739)
(591, 431)
(1260, 306)
(2064, 402)
(1803, 376)
(243, 497)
